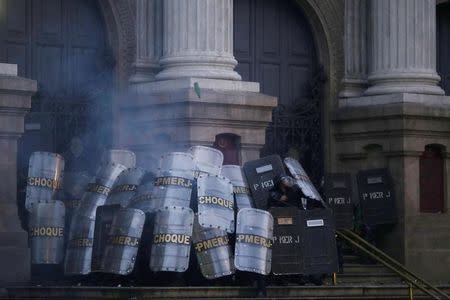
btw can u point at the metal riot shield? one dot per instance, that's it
(215, 202)
(98, 189)
(338, 193)
(320, 256)
(103, 220)
(75, 184)
(172, 239)
(123, 241)
(288, 246)
(143, 197)
(46, 230)
(376, 196)
(261, 174)
(303, 181)
(79, 247)
(254, 239)
(173, 183)
(207, 160)
(240, 186)
(125, 187)
(213, 251)
(45, 175)
(119, 156)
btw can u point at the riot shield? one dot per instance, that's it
(125, 187)
(320, 256)
(338, 193)
(173, 183)
(103, 220)
(215, 202)
(45, 176)
(288, 245)
(207, 160)
(261, 174)
(213, 251)
(172, 239)
(376, 196)
(296, 170)
(46, 230)
(79, 247)
(75, 183)
(254, 240)
(123, 242)
(98, 189)
(240, 186)
(143, 197)
(119, 156)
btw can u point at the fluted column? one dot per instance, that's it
(148, 40)
(198, 40)
(355, 44)
(403, 47)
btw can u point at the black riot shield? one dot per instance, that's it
(320, 256)
(376, 197)
(261, 174)
(338, 193)
(103, 221)
(288, 246)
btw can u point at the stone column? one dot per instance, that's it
(403, 47)
(198, 40)
(15, 102)
(148, 40)
(355, 45)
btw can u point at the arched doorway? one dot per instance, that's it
(443, 45)
(274, 45)
(62, 44)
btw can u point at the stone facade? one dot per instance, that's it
(176, 87)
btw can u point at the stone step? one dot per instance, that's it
(225, 292)
(352, 268)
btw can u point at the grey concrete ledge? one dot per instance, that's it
(188, 82)
(426, 100)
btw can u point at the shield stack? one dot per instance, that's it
(240, 186)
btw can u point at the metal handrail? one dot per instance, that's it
(391, 263)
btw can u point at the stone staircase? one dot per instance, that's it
(359, 281)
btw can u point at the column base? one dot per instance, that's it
(173, 115)
(393, 83)
(353, 88)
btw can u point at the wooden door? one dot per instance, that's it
(61, 44)
(432, 180)
(274, 45)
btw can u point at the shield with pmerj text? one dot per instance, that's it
(338, 194)
(171, 242)
(123, 241)
(213, 251)
(288, 245)
(376, 196)
(240, 186)
(261, 175)
(254, 240)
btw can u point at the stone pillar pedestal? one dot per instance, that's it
(355, 45)
(15, 102)
(173, 115)
(403, 47)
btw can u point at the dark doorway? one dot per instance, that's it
(61, 44)
(274, 45)
(229, 145)
(443, 45)
(432, 180)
